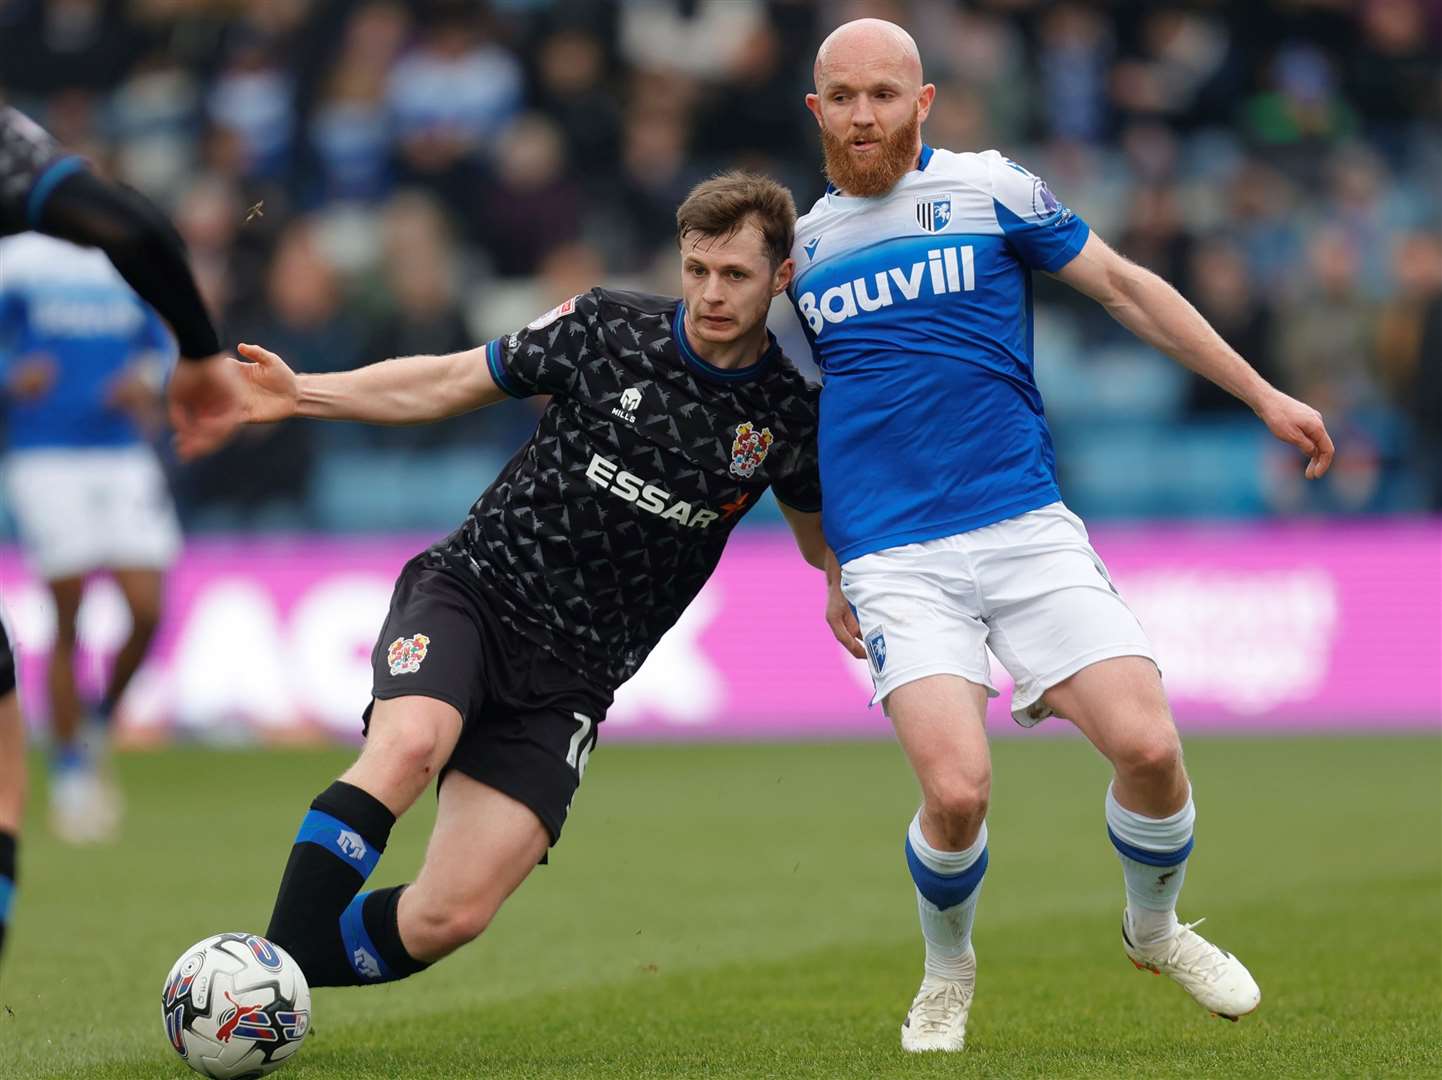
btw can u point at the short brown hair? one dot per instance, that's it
(720, 206)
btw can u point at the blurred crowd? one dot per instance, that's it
(359, 179)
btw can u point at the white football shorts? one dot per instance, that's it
(1030, 587)
(79, 510)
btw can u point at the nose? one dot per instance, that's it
(712, 293)
(862, 115)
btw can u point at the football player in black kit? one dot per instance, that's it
(45, 189)
(505, 641)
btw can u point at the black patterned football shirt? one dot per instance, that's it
(31, 164)
(606, 524)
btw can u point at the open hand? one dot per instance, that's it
(210, 399)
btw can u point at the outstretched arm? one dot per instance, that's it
(404, 390)
(1159, 315)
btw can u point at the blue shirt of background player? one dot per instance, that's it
(91, 326)
(918, 305)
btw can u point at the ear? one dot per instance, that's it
(924, 100)
(814, 104)
(782, 278)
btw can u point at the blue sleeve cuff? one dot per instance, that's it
(498, 369)
(1070, 250)
(48, 180)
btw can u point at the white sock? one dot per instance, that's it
(947, 931)
(1152, 885)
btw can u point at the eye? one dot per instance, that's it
(738, 275)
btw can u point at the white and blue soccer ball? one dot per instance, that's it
(235, 1006)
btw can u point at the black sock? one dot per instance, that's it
(338, 845)
(8, 843)
(370, 930)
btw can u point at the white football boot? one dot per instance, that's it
(1218, 981)
(937, 1017)
(82, 809)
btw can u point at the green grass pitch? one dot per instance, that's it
(744, 911)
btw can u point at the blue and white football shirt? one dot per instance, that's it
(71, 305)
(918, 306)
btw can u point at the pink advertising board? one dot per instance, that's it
(1318, 626)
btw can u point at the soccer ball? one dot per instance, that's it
(235, 1006)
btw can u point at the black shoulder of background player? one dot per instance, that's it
(639, 302)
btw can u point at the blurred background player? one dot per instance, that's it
(83, 363)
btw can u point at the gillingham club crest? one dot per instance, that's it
(748, 451)
(406, 654)
(934, 215)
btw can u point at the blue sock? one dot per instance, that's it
(370, 929)
(948, 886)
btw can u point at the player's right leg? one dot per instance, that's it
(940, 722)
(926, 646)
(343, 835)
(424, 670)
(81, 809)
(12, 778)
(54, 494)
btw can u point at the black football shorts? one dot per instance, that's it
(529, 721)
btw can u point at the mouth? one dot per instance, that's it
(715, 322)
(864, 146)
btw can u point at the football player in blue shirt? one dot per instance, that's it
(82, 364)
(941, 502)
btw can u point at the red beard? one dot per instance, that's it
(879, 173)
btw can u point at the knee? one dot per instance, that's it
(1154, 758)
(958, 803)
(407, 750)
(442, 929)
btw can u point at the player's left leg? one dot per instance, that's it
(1076, 649)
(144, 590)
(1119, 705)
(483, 846)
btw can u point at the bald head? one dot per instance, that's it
(868, 45)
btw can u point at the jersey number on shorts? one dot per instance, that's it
(581, 745)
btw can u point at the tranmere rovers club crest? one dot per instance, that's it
(749, 449)
(933, 215)
(406, 654)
